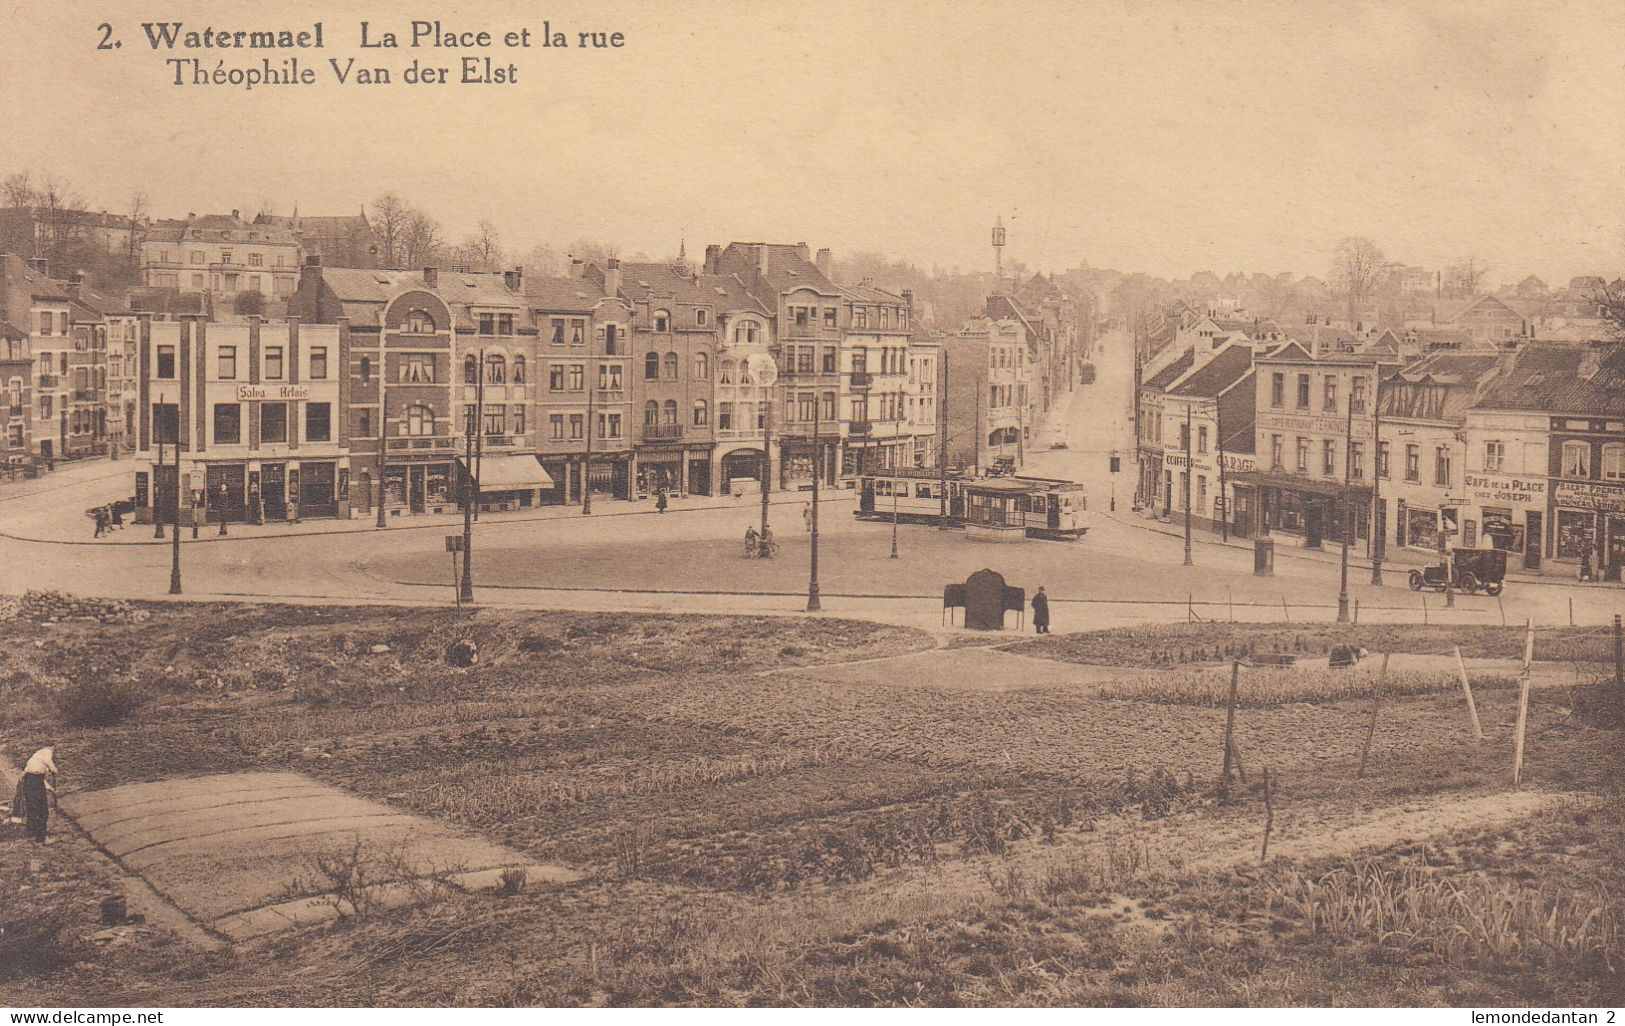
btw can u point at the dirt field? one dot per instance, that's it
(746, 836)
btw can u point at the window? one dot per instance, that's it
(578, 377)
(1576, 459)
(496, 369)
(829, 406)
(558, 331)
(1495, 452)
(725, 416)
(226, 363)
(1184, 436)
(1328, 457)
(1357, 460)
(273, 363)
(701, 315)
(612, 429)
(830, 355)
(702, 366)
(1441, 466)
(273, 422)
(1201, 438)
(318, 363)
(418, 322)
(702, 413)
(519, 370)
(1382, 460)
(668, 367)
(366, 369)
(518, 420)
(829, 316)
(725, 372)
(1413, 463)
(1357, 395)
(1303, 391)
(1330, 399)
(225, 257)
(1303, 455)
(662, 321)
(555, 426)
(609, 377)
(418, 368)
(804, 359)
(419, 420)
(860, 317)
(577, 424)
(1277, 456)
(364, 427)
(255, 260)
(228, 423)
(555, 377)
(166, 420)
(651, 413)
(505, 324)
(799, 315)
(470, 418)
(166, 361)
(318, 422)
(488, 324)
(496, 420)
(1613, 461)
(670, 410)
(651, 366)
(578, 332)
(197, 256)
(471, 369)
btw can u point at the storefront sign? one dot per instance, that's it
(1486, 489)
(1336, 426)
(272, 393)
(1581, 495)
(1238, 464)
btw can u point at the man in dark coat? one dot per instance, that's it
(660, 502)
(1041, 611)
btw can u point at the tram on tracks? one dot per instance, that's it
(993, 509)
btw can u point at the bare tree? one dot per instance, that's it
(1465, 277)
(17, 190)
(542, 261)
(481, 251)
(1610, 300)
(57, 212)
(389, 216)
(1358, 271)
(136, 220)
(420, 239)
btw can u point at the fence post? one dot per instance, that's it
(1571, 610)
(1376, 702)
(1501, 606)
(1229, 727)
(1269, 816)
(1284, 611)
(1523, 703)
(1356, 612)
(1467, 689)
(1619, 656)
(1424, 610)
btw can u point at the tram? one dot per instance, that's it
(1018, 506)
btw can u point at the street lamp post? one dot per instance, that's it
(1377, 536)
(767, 444)
(586, 463)
(175, 535)
(158, 521)
(942, 446)
(1348, 515)
(383, 441)
(813, 605)
(1187, 488)
(471, 481)
(894, 517)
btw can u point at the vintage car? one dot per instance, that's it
(1473, 569)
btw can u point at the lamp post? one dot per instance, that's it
(383, 441)
(767, 380)
(586, 463)
(471, 481)
(175, 534)
(894, 517)
(158, 430)
(1348, 516)
(1377, 537)
(1187, 483)
(813, 605)
(942, 446)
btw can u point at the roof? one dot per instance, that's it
(1172, 373)
(97, 305)
(787, 268)
(1450, 367)
(1553, 378)
(563, 295)
(1211, 380)
(364, 291)
(167, 300)
(16, 274)
(222, 228)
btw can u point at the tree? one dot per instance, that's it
(590, 252)
(1465, 277)
(1358, 271)
(57, 213)
(481, 251)
(542, 261)
(389, 215)
(17, 190)
(421, 239)
(136, 213)
(1610, 300)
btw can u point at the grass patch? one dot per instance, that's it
(1260, 688)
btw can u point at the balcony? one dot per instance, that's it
(46, 381)
(862, 379)
(662, 432)
(424, 442)
(84, 395)
(861, 427)
(500, 441)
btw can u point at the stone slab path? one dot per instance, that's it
(233, 851)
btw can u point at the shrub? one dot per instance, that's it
(36, 943)
(98, 701)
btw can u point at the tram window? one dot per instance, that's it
(923, 492)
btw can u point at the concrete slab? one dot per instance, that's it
(233, 850)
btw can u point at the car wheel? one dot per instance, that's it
(1416, 580)
(1494, 589)
(1469, 583)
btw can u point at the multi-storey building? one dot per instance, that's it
(584, 399)
(675, 342)
(874, 361)
(746, 386)
(1154, 490)
(1314, 446)
(989, 374)
(1209, 413)
(222, 254)
(342, 241)
(20, 322)
(102, 369)
(255, 408)
(45, 312)
(924, 390)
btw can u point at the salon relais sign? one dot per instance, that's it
(1496, 489)
(272, 393)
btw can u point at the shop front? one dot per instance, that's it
(660, 470)
(1318, 511)
(1589, 525)
(508, 481)
(1506, 512)
(418, 487)
(226, 492)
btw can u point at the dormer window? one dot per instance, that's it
(662, 321)
(701, 315)
(418, 322)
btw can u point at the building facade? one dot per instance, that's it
(221, 254)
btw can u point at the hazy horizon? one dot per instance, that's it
(1168, 139)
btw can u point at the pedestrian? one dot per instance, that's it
(118, 517)
(806, 517)
(660, 501)
(37, 787)
(100, 515)
(1041, 611)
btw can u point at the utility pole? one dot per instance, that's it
(471, 481)
(942, 445)
(158, 431)
(894, 484)
(1348, 513)
(813, 605)
(586, 463)
(767, 448)
(1377, 536)
(175, 535)
(1187, 488)
(977, 461)
(383, 439)
(1224, 496)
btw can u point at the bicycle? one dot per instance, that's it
(767, 550)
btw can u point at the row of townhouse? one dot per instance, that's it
(616, 381)
(1521, 448)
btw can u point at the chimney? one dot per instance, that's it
(40, 266)
(431, 277)
(908, 295)
(76, 282)
(803, 251)
(713, 260)
(761, 259)
(236, 215)
(612, 276)
(514, 279)
(578, 268)
(824, 262)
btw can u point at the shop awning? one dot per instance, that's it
(510, 473)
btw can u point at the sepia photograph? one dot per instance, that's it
(812, 504)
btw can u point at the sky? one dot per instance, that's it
(1166, 137)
